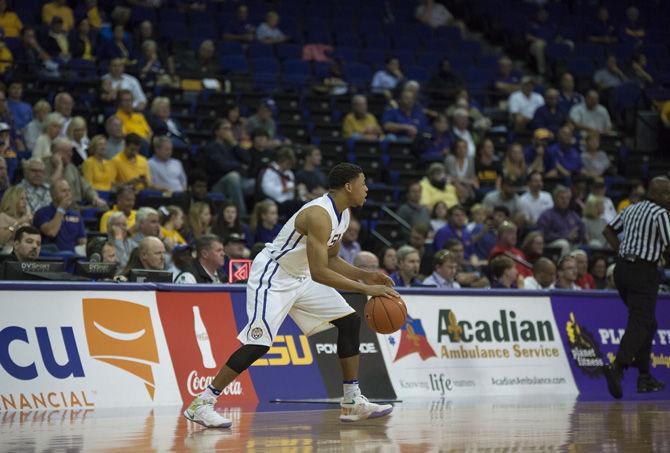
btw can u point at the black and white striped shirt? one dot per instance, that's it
(646, 230)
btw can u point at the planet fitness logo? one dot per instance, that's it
(584, 349)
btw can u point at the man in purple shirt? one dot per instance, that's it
(561, 226)
(404, 123)
(551, 115)
(240, 29)
(455, 229)
(506, 81)
(562, 159)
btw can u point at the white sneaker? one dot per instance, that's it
(201, 410)
(359, 408)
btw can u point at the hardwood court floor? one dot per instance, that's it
(492, 425)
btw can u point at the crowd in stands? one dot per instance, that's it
(138, 133)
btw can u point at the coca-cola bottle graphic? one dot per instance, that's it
(202, 338)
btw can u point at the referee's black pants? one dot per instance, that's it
(637, 283)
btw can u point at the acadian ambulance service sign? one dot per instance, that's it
(453, 346)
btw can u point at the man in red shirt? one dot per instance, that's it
(584, 279)
(507, 237)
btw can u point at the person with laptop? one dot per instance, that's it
(205, 268)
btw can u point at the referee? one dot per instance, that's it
(646, 235)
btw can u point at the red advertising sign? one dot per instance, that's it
(201, 334)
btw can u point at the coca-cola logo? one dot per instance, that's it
(196, 384)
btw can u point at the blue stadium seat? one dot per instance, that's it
(229, 48)
(295, 72)
(172, 29)
(348, 39)
(346, 53)
(317, 36)
(236, 64)
(379, 42)
(265, 66)
(258, 50)
(418, 73)
(358, 74)
(558, 52)
(373, 57)
(288, 51)
(592, 51)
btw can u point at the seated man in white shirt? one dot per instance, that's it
(205, 268)
(535, 201)
(445, 264)
(523, 103)
(544, 275)
(278, 181)
(166, 171)
(121, 81)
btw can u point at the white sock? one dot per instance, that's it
(351, 389)
(210, 392)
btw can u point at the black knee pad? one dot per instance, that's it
(245, 356)
(348, 342)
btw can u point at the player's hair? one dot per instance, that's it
(205, 242)
(343, 173)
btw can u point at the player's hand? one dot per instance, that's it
(381, 290)
(378, 278)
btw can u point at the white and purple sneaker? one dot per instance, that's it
(359, 408)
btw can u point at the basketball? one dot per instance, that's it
(385, 314)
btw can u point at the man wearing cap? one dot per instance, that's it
(523, 104)
(234, 246)
(534, 153)
(205, 267)
(262, 119)
(37, 190)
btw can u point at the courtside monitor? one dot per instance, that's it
(34, 270)
(95, 271)
(149, 276)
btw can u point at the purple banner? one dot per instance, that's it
(591, 328)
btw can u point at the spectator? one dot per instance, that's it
(97, 170)
(504, 274)
(445, 84)
(455, 229)
(6, 150)
(485, 238)
(579, 193)
(197, 191)
(83, 44)
(487, 168)
(119, 47)
(635, 194)
(413, 211)
(37, 190)
(132, 122)
(367, 261)
(633, 30)
(460, 129)
(228, 222)
(406, 122)
(609, 212)
(125, 82)
(568, 96)
(544, 275)
(58, 8)
(506, 245)
(4, 176)
(480, 123)
(9, 21)
(234, 248)
(205, 268)
(440, 141)
(268, 32)
(311, 180)
(550, 115)
(466, 275)
(147, 224)
(435, 187)
(514, 164)
(60, 166)
(566, 276)
(161, 123)
(77, 133)
(101, 250)
(27, 244)
(386, 80)
(461, 170)
(595, 161)
(239, 124)
(432, 14)
(535, 201)
(22, 113)
(602, 30)
(125, 203)
(543, 31)
(438, 217)
(584, 279)
(408, 267)
(230, 164)
(152, 73)
(14, 213)
(131, 167)
(332, 81)
(117, 233)
(562, 159)
(505, 196)
(262, 120)
(610, 76)
(165, 50)
(349, 247)
(446, 265)
(6, 57)
(418, 238)
(598, 269)
(32, 56)
(277, 181)
(115, 136)
(205, 63)
(533, 246)
(264, 222)
(239, 28)
(199, 221)
(478, 213)
(55, 41)
(359, 124)
(61, 226)
(166, 171)
(506, 81)
(594, 224)
(561, 226)
(52, 127)
(35, 127)
(172, 220)
(639, 71)
(523, 103)
(151, 254)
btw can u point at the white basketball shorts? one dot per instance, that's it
(272, 294)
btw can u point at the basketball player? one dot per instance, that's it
(298, 274)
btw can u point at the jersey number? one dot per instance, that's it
(334, 240)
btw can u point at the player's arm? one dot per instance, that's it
(317, 223)
(336, 263)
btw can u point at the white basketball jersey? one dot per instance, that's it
(289, 247)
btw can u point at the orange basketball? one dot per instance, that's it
(385, 314)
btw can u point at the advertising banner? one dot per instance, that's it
(591, 329)
(83, 349)
(201, 334)
(373, 377)
(465, 345)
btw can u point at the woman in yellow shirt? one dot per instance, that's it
(9, 21)
(172, 220)
(97, 170)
